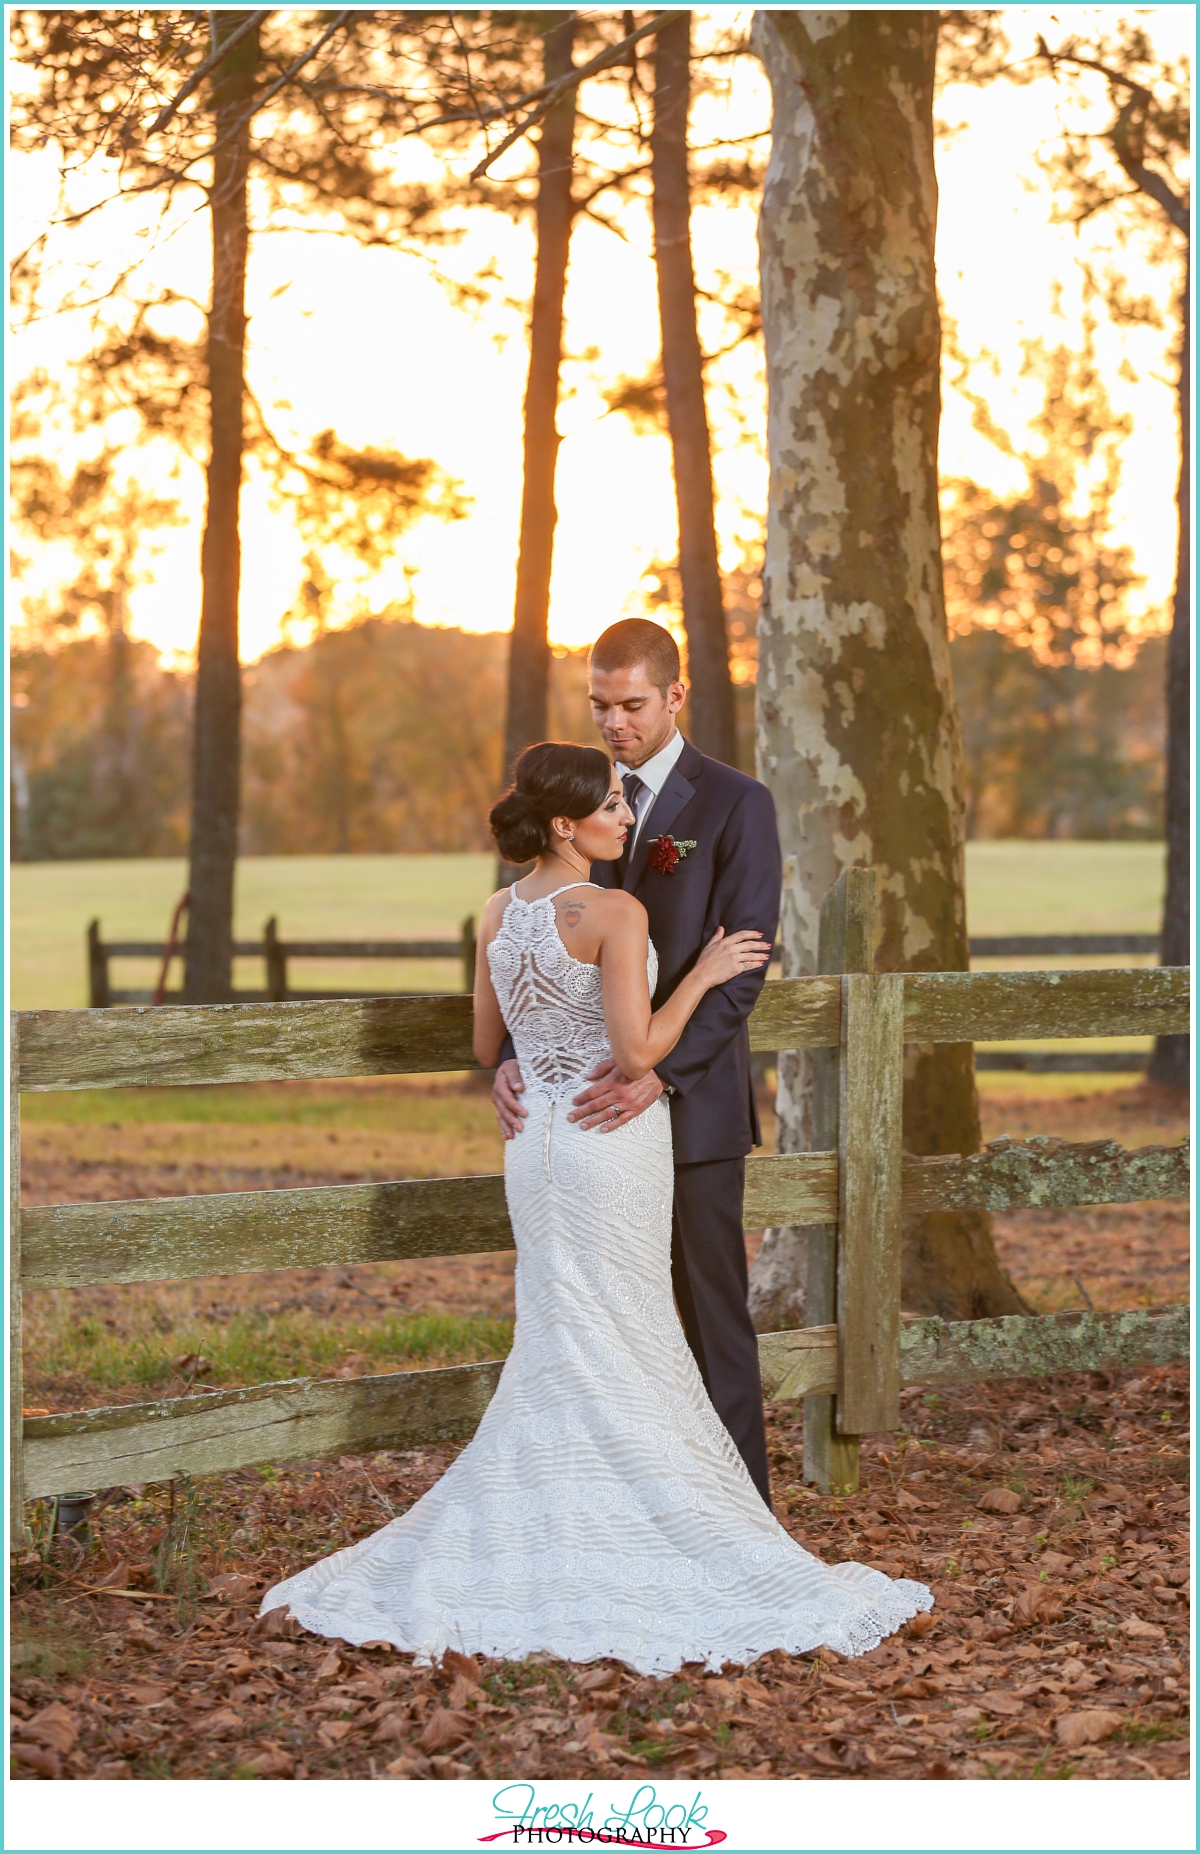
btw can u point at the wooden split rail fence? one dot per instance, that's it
(849, 1365)
(275, 954)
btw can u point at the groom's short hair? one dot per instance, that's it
(637, 642)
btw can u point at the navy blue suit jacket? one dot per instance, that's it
(732, 879)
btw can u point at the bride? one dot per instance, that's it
(601, 1509)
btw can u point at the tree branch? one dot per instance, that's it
(1124, 137)
(550, 94)
(201, 72)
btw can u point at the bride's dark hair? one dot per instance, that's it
(553, 780)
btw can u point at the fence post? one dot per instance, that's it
(869, 1161)
(468, 953)
(16, 1396)
(846, 943)
(97, 969)
(276, 963)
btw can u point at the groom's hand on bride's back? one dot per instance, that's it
(507, 1090)
(612, 1101)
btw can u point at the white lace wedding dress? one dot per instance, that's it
(601, 1508)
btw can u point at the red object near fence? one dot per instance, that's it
(172, 946)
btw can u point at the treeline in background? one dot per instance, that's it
(386, 735)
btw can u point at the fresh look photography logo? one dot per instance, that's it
(645, 1822)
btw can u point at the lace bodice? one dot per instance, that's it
(551, 1003)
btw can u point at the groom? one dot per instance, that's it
(702, 854)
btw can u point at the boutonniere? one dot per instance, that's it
(665, 852)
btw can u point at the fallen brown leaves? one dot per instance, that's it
(1056, 1645)
(1066, 1601)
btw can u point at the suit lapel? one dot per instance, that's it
(679, 790)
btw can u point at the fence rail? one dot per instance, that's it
(849, 1366)
(275, 954)
(277, 988)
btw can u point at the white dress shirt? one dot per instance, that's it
(653, 775)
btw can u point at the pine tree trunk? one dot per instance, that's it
(710, 702)
(529, 651)
(1171, 1061)
(216, 745)
(858, 733)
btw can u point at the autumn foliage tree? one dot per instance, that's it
(1135, 170)
(285, 109)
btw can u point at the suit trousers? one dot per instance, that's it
(708, 1273)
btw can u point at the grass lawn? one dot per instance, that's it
(1041, 887)
(314, 897)
(1011, 888)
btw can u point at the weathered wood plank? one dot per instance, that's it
(869, 1160)
(798, 1189)
(180, 1045)
(222, 1430)
(244, 1232)
(972, 1351)
(799, 1013)
(16, 1389)
(934, 1351)
(845, 943)
(804, 1364)
(1014, 1174)
(980, 1007)
(174, 1046)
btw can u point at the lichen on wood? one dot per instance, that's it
(972, 1351)
(1014, 1174)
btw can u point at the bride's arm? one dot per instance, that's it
(639, 1037)
(488, 1029)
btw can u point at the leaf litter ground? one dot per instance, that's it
(1050, 1518)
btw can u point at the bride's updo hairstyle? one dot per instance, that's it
(553, 780)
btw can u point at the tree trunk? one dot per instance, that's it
(529, 652)
(858, 733)
(216, 747)
(710, 702)
(1171, 1061)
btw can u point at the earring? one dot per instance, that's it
(570, 836)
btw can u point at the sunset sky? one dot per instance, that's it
(367, 342)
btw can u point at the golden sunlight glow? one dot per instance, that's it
(368, 343)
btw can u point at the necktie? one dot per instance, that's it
(636, 792)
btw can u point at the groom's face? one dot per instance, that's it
(635, 718)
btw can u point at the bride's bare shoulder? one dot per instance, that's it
(493, 911)
(622, 912)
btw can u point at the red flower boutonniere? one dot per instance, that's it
(665, 852)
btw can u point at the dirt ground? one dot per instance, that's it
(1049, 1517)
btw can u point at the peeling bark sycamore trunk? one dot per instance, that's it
(216, 743)
(1171, 1061)
(858, 734)
(529, 651)
(710, 700)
